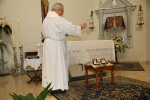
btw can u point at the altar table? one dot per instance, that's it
(81, 52)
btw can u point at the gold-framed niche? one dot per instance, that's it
(114, 8)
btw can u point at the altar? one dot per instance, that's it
(81, 52)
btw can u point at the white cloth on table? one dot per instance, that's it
(81, 52)
(40, 51)
(34, 63)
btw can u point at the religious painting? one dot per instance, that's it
(115, 21)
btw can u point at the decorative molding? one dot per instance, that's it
(116, 6)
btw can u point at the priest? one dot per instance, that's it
(55, 29)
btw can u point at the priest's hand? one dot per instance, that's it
(83, 25)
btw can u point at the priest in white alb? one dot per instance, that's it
(55, 29)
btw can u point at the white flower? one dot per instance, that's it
(119, 43)
(2, 22)
(3, 25)
(5, 28)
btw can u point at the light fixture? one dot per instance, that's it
(91, 21)
(140, 20)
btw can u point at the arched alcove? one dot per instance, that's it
(113, 8)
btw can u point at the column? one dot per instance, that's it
(129, 25)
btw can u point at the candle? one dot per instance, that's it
(12, 27)
(19, 38)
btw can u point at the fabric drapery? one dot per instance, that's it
(115, 21)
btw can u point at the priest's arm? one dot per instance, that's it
(71, 29)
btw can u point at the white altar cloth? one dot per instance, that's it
(81, 52)
(34, 63)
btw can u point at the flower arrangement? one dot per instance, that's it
(119, 44)
(6, 28)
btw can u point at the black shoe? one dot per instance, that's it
(62, 91)
(57, 91)
(54, 91)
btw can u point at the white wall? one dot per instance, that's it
(29, 14)
(138, 52)
(76, 11)
(147, 29)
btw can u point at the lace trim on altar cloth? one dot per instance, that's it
(84, 56)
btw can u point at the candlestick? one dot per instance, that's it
(19, 38)
(22, 72)
(12, 27)
(15, 69)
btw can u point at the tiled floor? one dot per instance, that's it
(19, 85)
